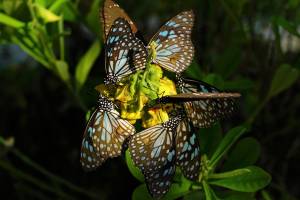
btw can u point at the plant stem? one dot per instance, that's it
(61, 37)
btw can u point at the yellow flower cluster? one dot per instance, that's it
(132, 94)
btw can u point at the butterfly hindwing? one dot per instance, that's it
(159, 182)
(90, 158)
(187, 150)
(104, 135)
(174, 50)
(109, 13)
(152, 148)
(121, 48)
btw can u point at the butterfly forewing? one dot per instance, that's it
(121, 48)
(187, 151)
(173, 45)
(109, 13)
(206, 111)
(104, 135)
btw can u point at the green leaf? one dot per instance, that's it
(85, 64)
(284, 77)
(133, 169)
(215, 80)
(176, 191)
(210, 138)
(62, 69)
(226, 143)
(9, 21)
(241, 83)
(194, 195)
(249, 179)
(141, 193)
(233, 195)
(265, 195)
(58, 5)
(194, 71)
(92, 18)
(209, 193)
(46, 15)
(244, 154)
(10, 6)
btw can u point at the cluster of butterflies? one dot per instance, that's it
(156, 151)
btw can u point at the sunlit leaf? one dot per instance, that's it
(62, 69)
(46, 14)
(249, 179)
(9, 21)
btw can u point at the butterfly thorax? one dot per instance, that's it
(105, 104)
(110, 79)
(173, 122)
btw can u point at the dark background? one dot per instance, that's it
(239, 45)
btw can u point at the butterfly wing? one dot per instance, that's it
(187, 151)
(90, 158)
(109, 13)
(205, 112)
(104, 136)
(152, 148)
(159, 182)
(174, 50)
(125, 53)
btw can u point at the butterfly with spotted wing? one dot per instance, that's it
(157, 151)
(104, 135)
(124, 53)
(204, 104)
(171, 47)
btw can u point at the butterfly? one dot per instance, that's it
(104, 135)
(212, 104)
(125, 53)
(109, 13)
(171, 47)
(158, 149)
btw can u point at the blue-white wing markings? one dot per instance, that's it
(110, 133)
(174, 50)
(188, 151)
(90, 158)
(150, 148)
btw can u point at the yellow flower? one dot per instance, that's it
(133, 94)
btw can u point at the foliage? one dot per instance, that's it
(235, 52)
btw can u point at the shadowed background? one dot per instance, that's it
(251, 47)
